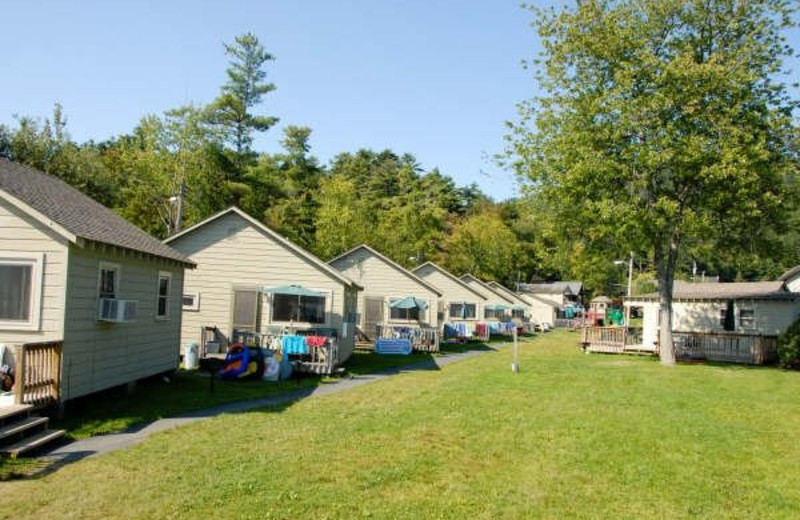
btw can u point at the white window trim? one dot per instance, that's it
(36, 261)
(195, 306)
(168, 276)
(108, 266)
(753, 324)
(305, 324)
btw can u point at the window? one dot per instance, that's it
(462, 310)
(747, 318)
(403, 314)
(494, 313)
(245, 310)
(518, 313)
(108, 284)
(191, 301)
(304, 309)
(20, 290)
(164, 290)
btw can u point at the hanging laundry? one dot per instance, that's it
(294, 344)
(316, 341)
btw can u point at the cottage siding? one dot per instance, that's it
(543, 306)
(770, 317)
(100, 355)
(21, 233)
(231, 252)
(381, 280)
(452, 292)
(490, 296)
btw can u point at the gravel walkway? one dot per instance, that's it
(102, 444)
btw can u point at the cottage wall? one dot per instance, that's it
(100, 355)
(452, 292)
(231, 252)
(543, 306)
(22, 234)
(771, 317)
(381, 280)
(490, 297)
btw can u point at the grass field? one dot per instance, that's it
(570, 436)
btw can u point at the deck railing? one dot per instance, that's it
(423, 339)
(603, 339)
(38, 373)
(716, 346)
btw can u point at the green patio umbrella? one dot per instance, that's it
(409, 302)
(496, 307)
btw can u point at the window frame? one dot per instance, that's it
(327, 299)
(36, 262)
(495, 314)
(462, 315)
(419, 313)
(109, 266)
(162, 275)
(195, 305)
(750, 323)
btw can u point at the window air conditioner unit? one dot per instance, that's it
(117, 311)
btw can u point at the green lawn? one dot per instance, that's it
(570, 436)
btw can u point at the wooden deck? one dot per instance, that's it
(613, 340)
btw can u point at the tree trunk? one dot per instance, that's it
(666, 261)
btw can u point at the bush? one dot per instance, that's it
(789, 347)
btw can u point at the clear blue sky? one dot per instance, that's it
(433, 78)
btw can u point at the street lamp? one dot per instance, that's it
(630, 284)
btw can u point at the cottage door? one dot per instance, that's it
(373, 314)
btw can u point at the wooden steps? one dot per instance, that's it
(32, 442)
(21, 432)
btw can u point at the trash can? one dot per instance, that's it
(190, 356)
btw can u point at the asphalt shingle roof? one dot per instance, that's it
(78, 213)
(726, 291)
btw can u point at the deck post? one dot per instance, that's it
(19, 373)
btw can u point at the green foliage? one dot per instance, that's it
(245, 88)
(663, 127)
(483, 245)
(789, 347)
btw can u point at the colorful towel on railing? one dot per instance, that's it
(294, 344)
(458, 330)
(316, 341)
(393, 346)
(480, 329)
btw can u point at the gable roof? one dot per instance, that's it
(497, 286)
(485, 286)
(389, 262)
(567, 287)
(450, 276)
(73, 215)
(772, 290)
(791, 273)
(285, 242)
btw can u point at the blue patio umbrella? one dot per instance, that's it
(496, 307)
(409, 302)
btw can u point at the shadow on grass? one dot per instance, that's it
(115, 418)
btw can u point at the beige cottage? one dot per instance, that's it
(548, 299)
(101, 293)
(384, 283)
(459, 301)
(497, 307)
(242, 266)
(521, 308)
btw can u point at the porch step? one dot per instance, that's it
(14, 410)
(21, 426)
(31, 443)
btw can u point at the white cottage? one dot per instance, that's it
(547, 300)
(93, 299)
(385, 282)
(746, 308)
(251, 279)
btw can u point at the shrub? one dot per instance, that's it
(789, 347)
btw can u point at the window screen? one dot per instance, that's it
(306, 309)
(15, 292)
